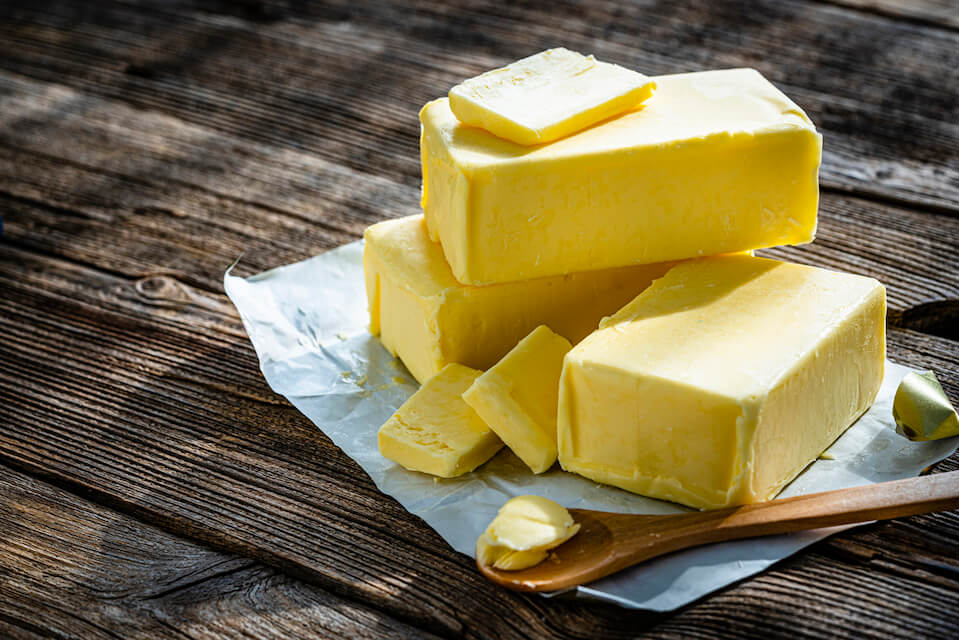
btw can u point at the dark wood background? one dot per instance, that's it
(151, 484)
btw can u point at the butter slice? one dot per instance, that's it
(523, 532)
(428, 319)
(435, 432)
(517, 397)
(714, 162)
(722, 381)
(547, 96)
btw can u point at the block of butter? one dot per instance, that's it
(722, 381)
(435, 432)
(517, 397)
(428, 319)
(714, 162)
(547, 96)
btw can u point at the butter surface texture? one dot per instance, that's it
(523, 532)
(714, 162)
(722, 381)
(428, 319)
(547, 96)
(434, 431)
(517, 397)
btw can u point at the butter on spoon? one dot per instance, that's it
(609, 542)
(523, 532)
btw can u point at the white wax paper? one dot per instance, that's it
(308, 324)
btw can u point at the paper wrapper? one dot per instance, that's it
(308, 322)
(921, 409)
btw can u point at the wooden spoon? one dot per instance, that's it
(609, 542)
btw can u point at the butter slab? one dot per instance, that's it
(428, 319)
(714, 162)
(435, 432)
(722, 381)
(547, 96)
(517, 397)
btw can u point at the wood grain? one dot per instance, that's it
(145, 394)
(890, 126)
(940, 13)
(71, 568)
(144, 145)
(147, 213)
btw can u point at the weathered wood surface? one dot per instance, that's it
(940, 13)
(344, 80)
(144, 146)
(87, 571)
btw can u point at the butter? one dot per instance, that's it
(547, 96)
(714, 162)
(523, 532)
(435, 432)
(722, 381)
(517, 397)
(428, 319)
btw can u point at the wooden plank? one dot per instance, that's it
(72, 568)
(941, 13)
(882, 92)
(121, 197)
(104, 398)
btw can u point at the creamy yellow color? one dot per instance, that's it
(547, 96)
(714, 162)
(428, 319)
(523, 532)
(722, 381)
(435, 432)
(517, 397)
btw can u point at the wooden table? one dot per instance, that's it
(151, 484)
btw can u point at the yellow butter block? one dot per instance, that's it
(517, 397)
(428, 319)
(523, 532)
(547, 96)
(714, 162)
(722, 381)
(435, 432)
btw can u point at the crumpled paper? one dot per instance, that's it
(308, 324)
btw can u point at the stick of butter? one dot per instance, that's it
(428, 319)
(517, 397)
(714, 162)
(523, 532)
(435, 432)
(722, 381)
(547, 96)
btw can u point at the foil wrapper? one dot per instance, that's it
(922, 410)
(308, 324)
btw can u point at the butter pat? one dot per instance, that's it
(547, 96)
(523, 532)
(435, 432)
(722, 381)
(428, 319)
(714, 162)
(517, 397)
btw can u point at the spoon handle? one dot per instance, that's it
(880, 501)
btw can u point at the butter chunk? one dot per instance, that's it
(523, 532)
(517, 397)
(435, 432)
(547, 96)
(428, 319)
(714, 162)
(722, 381)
